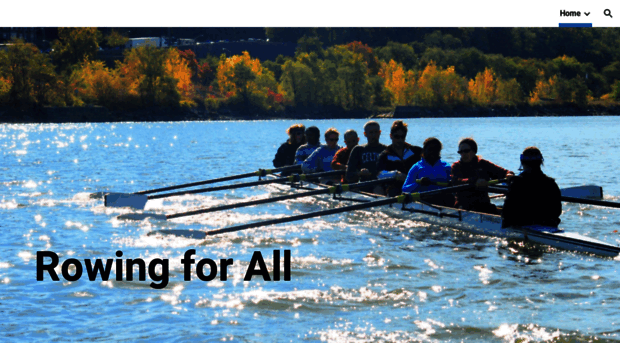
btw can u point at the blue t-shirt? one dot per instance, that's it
(320, 160)
(439, 172)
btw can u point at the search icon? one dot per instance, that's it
(607, 13)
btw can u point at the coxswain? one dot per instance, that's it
(533, 198)
(473, 170)
(285, 156)
(430, 170)
(362, 164)
(339, 162)
(398, 158)
(313, 134)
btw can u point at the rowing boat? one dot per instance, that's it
(491, 225)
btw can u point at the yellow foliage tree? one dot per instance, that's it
(437, 87)
(230, 83)
(95, 84)
(483, 90)
(395, 81)
(544, 88)
(157, 76)
(180, 71)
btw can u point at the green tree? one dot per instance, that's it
(115, 39)
(74, 45)
(355, 89)
(307, 45)
(155, 86)
(30, 74)
(298, 83)
(400, 53)
(243, 75)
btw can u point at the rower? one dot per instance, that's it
(321, 158)
(286, 152)
(430, 170)
(362, 164)
(312, 135)
(339, 162)
(473, 170)
(398, 158)
(533, 198)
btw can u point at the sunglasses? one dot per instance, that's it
(464, 151)
(333, 140)
(299, 133)
(399, 136)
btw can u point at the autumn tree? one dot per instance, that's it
(367, 54)
(29, 74)
(440, 87)
(483, 89)
(74, 45)
(241, 78)
(395, 81)
(157, 76)
(96, 84)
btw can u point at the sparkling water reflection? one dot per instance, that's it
(362, 276)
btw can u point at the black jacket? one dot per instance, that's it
(533, 199)
(285, 155)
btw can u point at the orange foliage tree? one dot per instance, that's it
(94, 84)
(243, 78)
(157, 76)
(396, 81)
(179, 70)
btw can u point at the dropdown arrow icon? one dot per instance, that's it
(586, 13)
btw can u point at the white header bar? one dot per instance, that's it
(316, 13)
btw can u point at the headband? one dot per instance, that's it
(532, 158)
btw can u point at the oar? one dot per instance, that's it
(259, 173)
(567, 199)
(403, 198)
(446, 184)
(583, 192)
(330, 190)
(138, 201)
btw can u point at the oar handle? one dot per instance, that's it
(260, 172)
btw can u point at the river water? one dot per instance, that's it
(361, 276)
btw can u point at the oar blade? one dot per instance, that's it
(141, 216)
(137, 201)
(585, 192)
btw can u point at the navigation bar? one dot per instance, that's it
(317, 13)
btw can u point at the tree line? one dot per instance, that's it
(438, 70)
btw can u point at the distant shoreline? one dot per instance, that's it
(90, 114)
